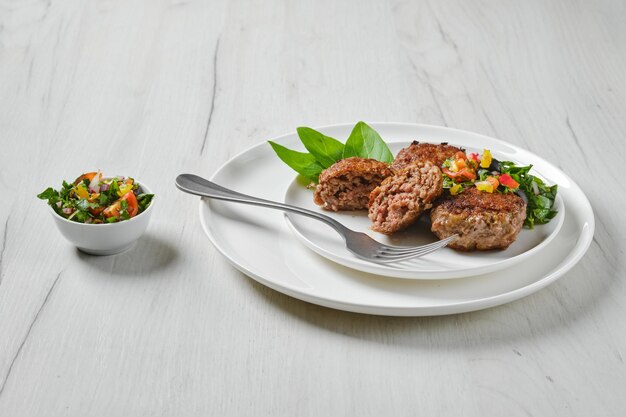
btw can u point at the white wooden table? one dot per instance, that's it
(156, 88)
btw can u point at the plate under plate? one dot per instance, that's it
(258, 242)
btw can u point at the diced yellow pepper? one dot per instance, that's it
(485, 161)
(484, 186)
(81, 191)
(455, 189)
(124, 188)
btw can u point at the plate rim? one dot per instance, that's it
(584, 239)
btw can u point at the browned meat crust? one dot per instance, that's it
(435, 153)
(400, 199)
(347, 184)
(483, 221)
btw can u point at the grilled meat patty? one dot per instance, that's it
(435, 153)
(347, 184)
(483, 220)
(400, 199)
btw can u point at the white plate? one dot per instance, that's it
(258, 242)
(446, 262)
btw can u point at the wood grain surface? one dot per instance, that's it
(154, 88)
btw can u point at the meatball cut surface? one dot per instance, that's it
(400, 199)
(483, 220)
(347, 184)
(422, 152)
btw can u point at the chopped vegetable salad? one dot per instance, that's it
(94, 199)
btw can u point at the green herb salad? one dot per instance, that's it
(95, 199)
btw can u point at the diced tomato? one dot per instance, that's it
(114, 209)
(460, 155)
(462, 175)
(474, 157)
(460, 164)
(96, 211)
(508, 181)
(133, 206)
(87, 176)
(467, 174)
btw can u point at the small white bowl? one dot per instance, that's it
(105, 238)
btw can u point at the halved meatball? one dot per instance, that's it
(482, 220)
(347, 184)
(422, 152)
(400, 199)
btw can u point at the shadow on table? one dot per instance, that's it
(532, 317)
(146, 256)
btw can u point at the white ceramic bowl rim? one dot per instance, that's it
(144, 188)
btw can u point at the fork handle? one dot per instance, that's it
(196, 185)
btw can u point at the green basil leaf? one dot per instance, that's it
(325, 149)
(144, 200)
(365, 142)
(81, 216)
(303, 163)
(114, 188)
(508, 167)
(540, 214)
(543, 202)
(551, 215)
(48, 193)
(66, 191)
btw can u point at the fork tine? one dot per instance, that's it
(417, 252)
(403, 249)
(407, 250)
(399, 250)
(385, 260)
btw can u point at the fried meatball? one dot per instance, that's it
(347, 184)
(400, 199)
(435, 153)
(482, 220)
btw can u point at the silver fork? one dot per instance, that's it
(358, 243)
